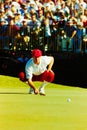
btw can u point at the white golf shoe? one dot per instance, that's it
(41, 91)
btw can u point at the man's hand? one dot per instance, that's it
(31, 84)
(36, 91)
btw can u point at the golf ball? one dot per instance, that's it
(68, 100)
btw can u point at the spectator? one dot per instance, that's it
(78, 7)
(49, 5)
(79, 36)
(34, 30)
(25, 35)
(22, 58)
(41, 16)
(27, 17)
(68, 4)
(38, 5)
(11, 33)
(1, 6)
(83, 19)
(57, 12)
(13, 10)
(23, 9)
(32, 6)
(15, 4)
(3, 37)
(48, 21)
(70, 32)
(61, 24)
(85, 12)
(2, 13)
(18, 19)
(65, 8)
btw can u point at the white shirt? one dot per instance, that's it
(32, 68)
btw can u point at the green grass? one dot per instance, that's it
(21, 111)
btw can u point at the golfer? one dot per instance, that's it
(39, 68)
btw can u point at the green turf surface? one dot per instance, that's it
(21, 111)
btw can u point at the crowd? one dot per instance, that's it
(46, 24)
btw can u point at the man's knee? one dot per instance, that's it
(22, 76)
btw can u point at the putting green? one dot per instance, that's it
(21, 111)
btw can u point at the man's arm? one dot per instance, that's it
(31, 84)
(51, 63)
(74, 33)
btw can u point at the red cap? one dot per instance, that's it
(36, 53)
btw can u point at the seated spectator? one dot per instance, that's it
(22, 58)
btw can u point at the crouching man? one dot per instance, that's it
(39, 68)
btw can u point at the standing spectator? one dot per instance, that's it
(17, 37)
(85, 12)
(78, 7)
(79, 36)
(38, 5)
(65, 8)
(58, 2)
(25, 35)
(13, 10)
(47, 26)
(1, 5)
(34, 30)
(41, 33)
(49, 5)
(68, 4)
(3, 37)
(23, 9)
(57, 12)
(61, 25)
(32, 6)
(70, 32)
(11, 33)
(27, 17)
(15, 4)
(83, 19)
(18, 19)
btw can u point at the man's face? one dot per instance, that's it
(33, 18)
(36, 60)
(70, 24)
